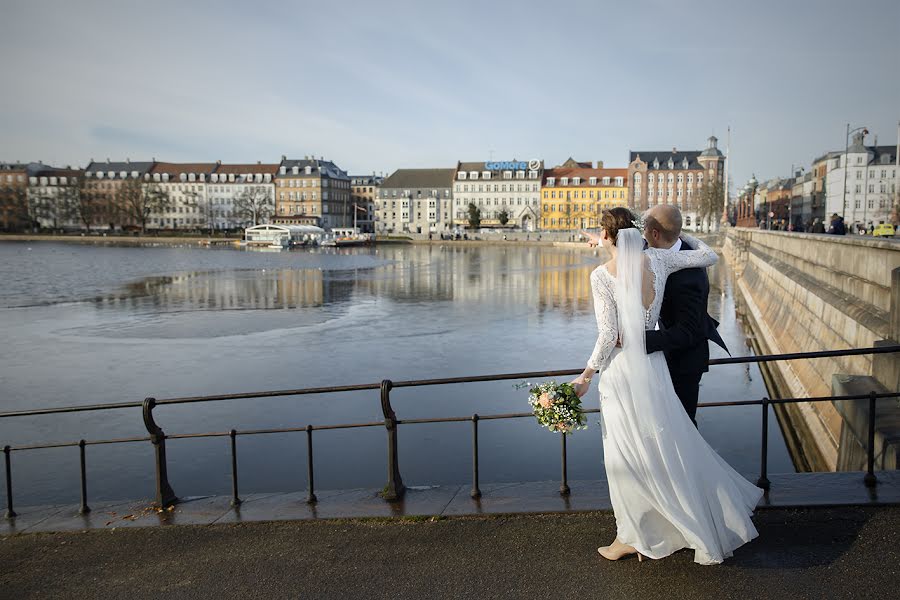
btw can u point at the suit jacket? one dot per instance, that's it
(684, 324)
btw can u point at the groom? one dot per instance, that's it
(684, 325)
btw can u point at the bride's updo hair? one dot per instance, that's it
(615, 219)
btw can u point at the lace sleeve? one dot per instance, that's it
(701, 255)
(607, 322)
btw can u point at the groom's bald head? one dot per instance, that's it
(662, 225)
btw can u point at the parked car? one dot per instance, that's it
(883, 230)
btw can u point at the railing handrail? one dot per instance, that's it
(394, 489)
(426, 382)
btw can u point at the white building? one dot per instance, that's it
(496, 187)
(870, 173)
(230, 182)
(185, 186)
(52, 196)
(415, 201)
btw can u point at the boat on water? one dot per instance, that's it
(282, 237)
(347, 237)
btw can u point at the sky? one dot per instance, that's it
(381, 85)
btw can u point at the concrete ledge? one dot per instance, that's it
(788, 490)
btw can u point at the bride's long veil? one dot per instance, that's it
(630, 312)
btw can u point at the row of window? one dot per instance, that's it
(497, 201)
(871, 203)
(588, 194)
(472, 175)
(502, 188)
(574, 207)
(872, 172)
(564, 181)
(671, 178)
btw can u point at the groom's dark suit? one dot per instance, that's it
(684, 328)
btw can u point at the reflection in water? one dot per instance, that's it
(459, 274)
(138, 322)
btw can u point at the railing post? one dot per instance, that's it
(235, 498)
(763, 481)
(10, 513)
(870, 478)
(564, 485)
(394, 488)
(85, 509)
(165, 496)
(311, 490)
(476, 491)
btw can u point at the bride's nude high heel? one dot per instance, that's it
(617, 550)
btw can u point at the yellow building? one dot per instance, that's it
(573, 197)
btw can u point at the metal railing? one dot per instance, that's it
(165, 496)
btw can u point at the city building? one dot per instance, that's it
(415, 201)
(675, 177)
(574, 196)
(53, 196)
(363, 192)
(312, 191)
(507, 193)
(184, 187)
(861, 185)
(235, 189)
(103, 202)
(13, 196)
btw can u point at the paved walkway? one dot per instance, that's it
(788, 490)
(801, 553)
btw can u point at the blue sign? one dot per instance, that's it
(506, 166)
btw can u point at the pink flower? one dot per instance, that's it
(545, 400)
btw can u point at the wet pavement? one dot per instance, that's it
(848, 552)
(787, 490)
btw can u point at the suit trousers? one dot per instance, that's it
(687, 388)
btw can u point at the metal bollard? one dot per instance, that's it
(763, 481)
(311, 490)
(394, 489)
(476, 491)
(85, 509)
(165, 495)
(10, 513)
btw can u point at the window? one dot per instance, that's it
(564, 181)
(593, 180)
(576, 181)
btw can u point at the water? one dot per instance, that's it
(92, 324)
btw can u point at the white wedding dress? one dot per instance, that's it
(669, 489)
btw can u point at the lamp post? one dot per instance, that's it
(847, 161)
(751, 193)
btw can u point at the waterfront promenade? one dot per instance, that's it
(800, 553)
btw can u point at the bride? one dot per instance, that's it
(669, 489)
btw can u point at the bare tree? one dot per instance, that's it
(138, 201)
(14, 204)
(81, 199)
(204, 206)
(709, 202)
(255, 204)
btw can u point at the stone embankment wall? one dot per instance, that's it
(807, 292)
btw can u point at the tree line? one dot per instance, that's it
(133, 203)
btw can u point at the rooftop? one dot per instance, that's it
(420, 178)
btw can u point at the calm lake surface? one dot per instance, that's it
(89, 324)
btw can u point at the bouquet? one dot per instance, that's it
(557, 407)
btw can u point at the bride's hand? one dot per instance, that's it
(593, 238)
(581, 387)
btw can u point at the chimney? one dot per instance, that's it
(674, 150)
(127, 161)
(218, 163)
(259, 162)
(283, 157)
(107, 160)
(599, 164)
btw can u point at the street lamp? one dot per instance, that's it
(847, 161)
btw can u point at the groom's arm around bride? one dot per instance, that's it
(684, 325)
